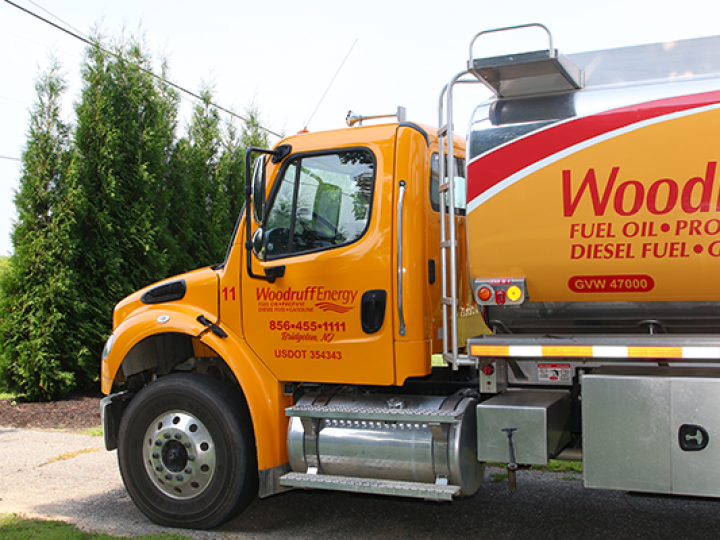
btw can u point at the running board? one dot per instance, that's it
(380, 414)
(435, 492)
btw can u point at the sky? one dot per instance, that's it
(280, 56)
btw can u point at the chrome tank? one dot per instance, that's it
(606, 318)
(397, 450)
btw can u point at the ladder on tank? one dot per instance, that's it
(523, 74)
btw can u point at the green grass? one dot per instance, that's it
(560, 466)
(553, 466)
(497, 478)
(95, 432)
(13, 527)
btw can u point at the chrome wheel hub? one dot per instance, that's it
(179, 455)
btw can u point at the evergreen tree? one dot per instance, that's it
(233, 163)
(209, 176)
(120, 207)
(42, 355)
(201, 203)
(124, 137)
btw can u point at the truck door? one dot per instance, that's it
(328, 318)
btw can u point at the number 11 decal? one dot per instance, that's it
(229, 293)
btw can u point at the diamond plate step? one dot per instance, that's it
(370, 485)
(373, 413)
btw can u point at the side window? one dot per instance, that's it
(321, 202)
(460, 185)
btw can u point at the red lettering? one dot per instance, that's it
(611, 284)
(620, 197)
(712, 231)
(570, 204)
(660, 198)
(707, 187)
(672, 196)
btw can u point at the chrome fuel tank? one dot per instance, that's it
(414, 451)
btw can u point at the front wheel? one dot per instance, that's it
(187, 452)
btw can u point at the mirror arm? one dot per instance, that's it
(282, 151)
(274, 272)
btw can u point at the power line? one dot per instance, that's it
(10, 158)
(158, 77)
(55, 17)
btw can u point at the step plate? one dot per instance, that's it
(373, 413)
(370, 485)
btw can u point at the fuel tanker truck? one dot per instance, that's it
(400, 306)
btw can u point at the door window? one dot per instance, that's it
(320, 202)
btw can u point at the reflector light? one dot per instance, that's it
(593, 351)
(484, 294)
(514, 293)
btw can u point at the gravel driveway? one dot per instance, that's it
(67, 476)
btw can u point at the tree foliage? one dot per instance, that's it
(42, 355)
(208, 178)
(124, 139)
(108, 207)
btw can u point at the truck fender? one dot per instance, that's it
(263, 393)
(171, 319)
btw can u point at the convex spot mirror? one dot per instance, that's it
(258, 190)
(258, 243)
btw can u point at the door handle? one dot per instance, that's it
(372, 310)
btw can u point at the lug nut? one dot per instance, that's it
(168, 477)
(178, 436)
(191, 457)
(187, 444)
(188, 471)
(158, 443)
(179, 478)
(156, 455)
(167, 435)
(159, 468)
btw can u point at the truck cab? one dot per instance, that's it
(332, 279)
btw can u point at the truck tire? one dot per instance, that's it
(186, 451)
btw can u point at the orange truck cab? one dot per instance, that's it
(399, 306)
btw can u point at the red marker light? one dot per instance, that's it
(488, 370)
(484, 293)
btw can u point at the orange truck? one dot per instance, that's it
(400, 306)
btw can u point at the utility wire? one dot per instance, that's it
(158, 77)
(56, 17)
(10, 158)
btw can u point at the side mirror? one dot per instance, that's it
(258, 189)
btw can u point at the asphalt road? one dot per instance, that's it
(67, 476)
